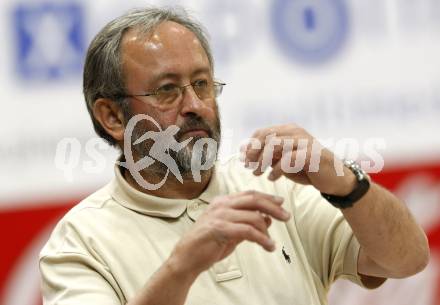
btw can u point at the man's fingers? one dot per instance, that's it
(268, 220)
(240, 231)
(292, 167)
(254, 149)
(246, 216)
(252, 152)
(267, 154)
(276, 172)
(253, 218)
(267, 205)
(259, 169)
(271, 151)
(278, 200)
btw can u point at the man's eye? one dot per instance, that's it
(202, 83)
(168, 88)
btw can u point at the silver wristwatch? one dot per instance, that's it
(362, 187)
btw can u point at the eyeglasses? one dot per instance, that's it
(170, 93)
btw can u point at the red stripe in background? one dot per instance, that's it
(18, 229)
(392, 177)
(434, 244)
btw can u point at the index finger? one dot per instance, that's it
(274, 198)
(265, 203)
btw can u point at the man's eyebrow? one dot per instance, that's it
(172, 75)
(202, 70)
(161, 76)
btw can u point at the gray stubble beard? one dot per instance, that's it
(185, 157)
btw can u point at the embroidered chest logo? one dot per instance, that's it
(286, 256)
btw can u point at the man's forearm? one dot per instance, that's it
(388, 233)
(169, 285)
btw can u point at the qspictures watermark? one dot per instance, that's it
(204, 153)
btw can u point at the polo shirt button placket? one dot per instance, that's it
(194, 210)
(228, 268)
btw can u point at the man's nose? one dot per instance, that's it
(191, 103)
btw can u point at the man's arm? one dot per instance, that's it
(169, 285)
(393, 245)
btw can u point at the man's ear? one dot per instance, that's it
(110, 116)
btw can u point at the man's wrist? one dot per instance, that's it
(180, 268)
(348, 195)
(346, 184)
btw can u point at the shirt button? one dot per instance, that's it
(192, 206)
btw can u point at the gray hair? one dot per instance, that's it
(103, 75)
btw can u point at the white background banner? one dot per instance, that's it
(360, 70)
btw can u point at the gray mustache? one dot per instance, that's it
(194, 123)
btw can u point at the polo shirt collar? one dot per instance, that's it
(133, 199)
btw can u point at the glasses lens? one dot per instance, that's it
(203, 89)
(167, 94)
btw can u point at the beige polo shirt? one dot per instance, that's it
(107, 247)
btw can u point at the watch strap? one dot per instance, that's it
(362, 187)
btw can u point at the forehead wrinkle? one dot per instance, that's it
(158, 43)
(169, 48)
(166, 33)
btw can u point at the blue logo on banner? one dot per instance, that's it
(311, 31)
(232, 26)
(50, 40)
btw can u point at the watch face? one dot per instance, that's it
(356, 169)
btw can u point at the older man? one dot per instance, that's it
(234, 236)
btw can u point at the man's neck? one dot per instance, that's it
(172, 188)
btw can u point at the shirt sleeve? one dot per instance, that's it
(331, 248)
(75, 278)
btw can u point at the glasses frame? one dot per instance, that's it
(217, 85)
